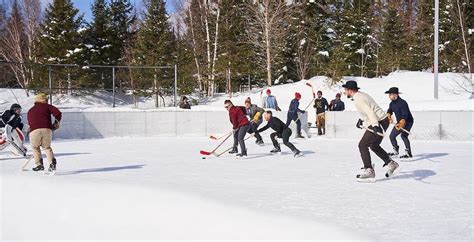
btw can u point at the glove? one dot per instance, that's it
(389, 117)
(359, 124)
(256, 117)
(376, 129)
(303, 112)
(55, 125)
(400, 124)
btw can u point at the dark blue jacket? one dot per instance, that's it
(401, 110)
(293, 109)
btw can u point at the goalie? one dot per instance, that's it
(11, 127)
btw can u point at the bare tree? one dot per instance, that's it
(462, 22)
(32, 18)
(13, 45)
(267, 20)
(304, 55)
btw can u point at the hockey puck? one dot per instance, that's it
(203, 157)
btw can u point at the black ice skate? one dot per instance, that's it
(241, 155)
(38, 168)
(408, 155)
(297, 153)
(233, 151)
(259, 142)
(394, 153)
(275, 150)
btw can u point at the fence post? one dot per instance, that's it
(50, 84)
(175, 85)
(113, 85)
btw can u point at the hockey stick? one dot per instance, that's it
(377, 133)
(202, 152)
(28, 159)
(402, 129)
(225, 151)
(218, 138)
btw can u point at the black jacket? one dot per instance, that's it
(336, 105)
(276, 124)
(11, 118)
(321, 105)
(401, 110)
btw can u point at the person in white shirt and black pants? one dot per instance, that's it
(373, 119)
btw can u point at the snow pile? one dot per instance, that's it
(417, 89)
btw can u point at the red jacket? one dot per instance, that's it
(237, 117)
(39, 116)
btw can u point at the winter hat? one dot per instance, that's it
(319, 92)
(15, 106)
(41, 97)
(338, 95)
(248, 100)
(297, 95)
(269, 91)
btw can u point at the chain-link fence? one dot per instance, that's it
(112, 85)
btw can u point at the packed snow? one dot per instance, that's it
(160, 188)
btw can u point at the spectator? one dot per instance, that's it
(337, 104)
(184, 103)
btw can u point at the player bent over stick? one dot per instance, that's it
(374, 117)
(281, 131)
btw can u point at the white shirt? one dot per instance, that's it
(370, 112)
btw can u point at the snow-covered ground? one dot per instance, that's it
(160, 188)
(417, 89)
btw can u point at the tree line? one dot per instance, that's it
(220, 44)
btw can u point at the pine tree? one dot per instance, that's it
(122, 17)
(156, 45)
(61, 41)
(236, 59)
(394, 44)
(420, 51)
(97, 35)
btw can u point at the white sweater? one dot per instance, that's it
(370, 112)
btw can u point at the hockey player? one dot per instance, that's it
(11, 126)
(240, 125)
(41, 130)
(281, 131)
(255, 114)
(293, 111)
(321, 105)
(375, 119)
(404, 121)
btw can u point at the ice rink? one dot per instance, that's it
(160, 188)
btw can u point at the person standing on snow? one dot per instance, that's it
(255, 114)
(270, 101)
(376, 120)
(41, 130)
(337, 104)
(281, 131)
(240, 126)
(321, 105)
(404, 121)
(292, 115)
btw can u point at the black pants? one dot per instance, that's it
(395, 133)
(298, 122)
(239, 136)
(286, 139)
(253, 129)
(372, 141)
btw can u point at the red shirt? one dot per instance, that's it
(237, 117)
(39, 116)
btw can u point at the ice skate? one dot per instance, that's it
(392, 168)
(367, 175)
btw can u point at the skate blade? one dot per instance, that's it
(366, 180)
(395, 172)
(298, 156)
